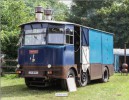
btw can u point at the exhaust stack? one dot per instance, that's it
(38, 13)
(48, 13)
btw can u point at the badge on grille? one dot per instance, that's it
(33, 58)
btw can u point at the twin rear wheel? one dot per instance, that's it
(84, 79)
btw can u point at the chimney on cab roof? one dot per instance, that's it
(38, 13)
(48, 13)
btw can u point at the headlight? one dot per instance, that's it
(49, 66)
(18, 65)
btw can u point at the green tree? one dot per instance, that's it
(83, 9)
(114, 19)
(107, 15)
(16, 12)
(12, 16)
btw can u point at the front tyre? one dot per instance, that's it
(27, 82)
(71, 74)
(105, 76)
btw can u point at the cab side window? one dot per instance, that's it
(69, 35)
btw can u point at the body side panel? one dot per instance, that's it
(107, 48)
(95, 46)
(101, 53)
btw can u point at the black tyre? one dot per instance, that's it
(71, 73)
(105, 76)
(83, 79)
(27, 82)
(64, 84)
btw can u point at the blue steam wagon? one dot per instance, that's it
(53, 51)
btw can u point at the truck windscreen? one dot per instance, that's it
(56, 34)
(35, 34)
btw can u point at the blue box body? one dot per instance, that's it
(100, 47)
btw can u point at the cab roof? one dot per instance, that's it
(62, 22)
(47, 21)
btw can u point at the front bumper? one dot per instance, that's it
(59, 72)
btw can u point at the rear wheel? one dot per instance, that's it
(83, 79)
(105, 76)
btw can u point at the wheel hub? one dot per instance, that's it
(83, 78)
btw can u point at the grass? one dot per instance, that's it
(117, 88)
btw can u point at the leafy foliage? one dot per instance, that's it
(115, 19)
(81, 10)
(107, 15)
(16, 12)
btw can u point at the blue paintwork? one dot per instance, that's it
(85, 36)
(101, 47)
(56, 55)
(107, 49)
(95, 46)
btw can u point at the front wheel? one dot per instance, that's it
(105, 76)
(27, 82)
(71, 74)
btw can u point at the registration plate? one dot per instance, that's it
(33, 72)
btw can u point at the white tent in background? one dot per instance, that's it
(121, 52)
(119, 58)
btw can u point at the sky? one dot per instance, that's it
(67, 2)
